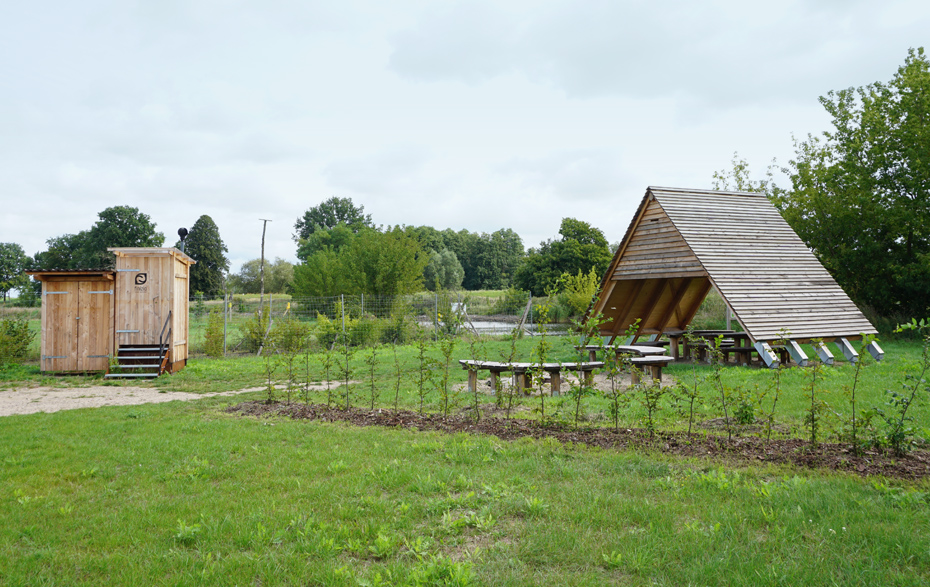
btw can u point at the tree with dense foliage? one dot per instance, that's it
(372, 262)
(488, 260)
(205, 246)
(118, 226)
(330, 213)
(860, 194)
(330, 239)
(13, 261)
(278, 277)
(581, 248)
(443, 271)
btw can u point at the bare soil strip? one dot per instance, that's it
(742, 450)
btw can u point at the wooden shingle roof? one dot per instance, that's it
(681, 243)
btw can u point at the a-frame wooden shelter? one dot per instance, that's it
(681, 243)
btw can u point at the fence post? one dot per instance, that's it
(363, 304)
(342, 302)
(226, 305)
(436, 312)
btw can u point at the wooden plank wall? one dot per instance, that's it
(59, 325)
(77, 323)
(142, 305)
(657, 250)
(95, 325)
(180, 313)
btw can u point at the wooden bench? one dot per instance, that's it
(627, 349)
(522, 372)
(653, 364)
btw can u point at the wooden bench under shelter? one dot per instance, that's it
(522, 372)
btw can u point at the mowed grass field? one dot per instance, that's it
(187, 494)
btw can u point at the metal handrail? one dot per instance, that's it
(161, 337)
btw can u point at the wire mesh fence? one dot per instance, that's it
(245, 324)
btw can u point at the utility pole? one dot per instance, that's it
(261, 300)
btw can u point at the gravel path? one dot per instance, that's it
(30, 400)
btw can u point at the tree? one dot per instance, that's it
(329, 239)
(330, 213)
(205, 246)
(582, 248)
(13, 261)
(372, 262)
(860, 194)
(443, 271)
(278, 276)
(119, 226)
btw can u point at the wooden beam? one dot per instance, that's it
(687, 318)
(656, 296)
(676, 299)
(627, 307)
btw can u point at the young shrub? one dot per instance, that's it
(213, 336)
(15, 339)
(441, 381)
(690, 394)
(897, 421)
(577, 291)
(371, 363)
(256, 329)
(818, 406)
(512, 302)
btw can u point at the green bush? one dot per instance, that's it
(290, 335)
(513, 301)
(15, 339)
(577, 291)
(254, 329)
(213, 337)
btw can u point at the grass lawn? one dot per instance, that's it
(186, 494)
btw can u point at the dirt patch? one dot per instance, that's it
(741, 450)
(31, 400)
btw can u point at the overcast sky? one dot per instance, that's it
(475, 115)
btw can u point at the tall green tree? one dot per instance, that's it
(118, 226)
(13, 261)
(205, 246)
(581, 248)
(278, 276)
(443, 271)
(860, 194)
(330, 213)
(372, 262)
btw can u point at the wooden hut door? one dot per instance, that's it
(95, 325)
(78, 324)
(60, 335)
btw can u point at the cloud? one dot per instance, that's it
(718, 54)
(584, 174)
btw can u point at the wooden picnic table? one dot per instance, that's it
(522, 372)
(730, 338)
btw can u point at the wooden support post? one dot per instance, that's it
(472, 380)
(495, 382)
(796, 352)
(556, 378)
(826, 357)
(848, 351)
(767, 355)
(674, 346)
(876, 351)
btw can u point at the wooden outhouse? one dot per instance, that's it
(137, 311)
